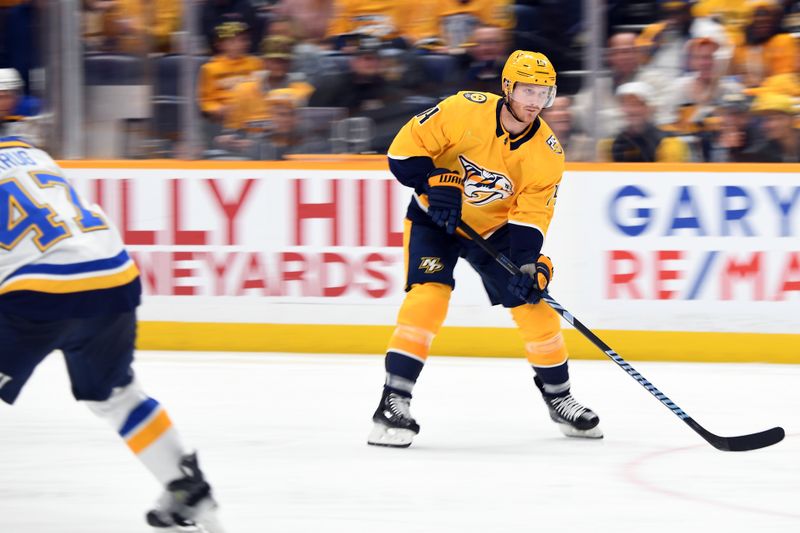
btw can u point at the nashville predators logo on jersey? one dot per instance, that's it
(431, 265)
(477, 98)
(483, 186)
(552, 142)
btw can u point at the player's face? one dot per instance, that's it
(8, 100)
(527, 100)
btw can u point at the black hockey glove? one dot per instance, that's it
(532, 281)
(445, 192)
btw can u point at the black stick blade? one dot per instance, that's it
(742, 443)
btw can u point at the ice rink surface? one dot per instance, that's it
(282, 439)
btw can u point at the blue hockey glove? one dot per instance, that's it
(445, 192)
(532, 281)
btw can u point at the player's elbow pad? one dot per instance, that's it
(413, 171)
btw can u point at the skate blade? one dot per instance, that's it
(177, 529)
(194, 528)
(392, 437)
(189, 528)
(206, 517)
(569, 431)
(204, 520)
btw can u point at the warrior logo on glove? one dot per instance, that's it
(445, 192)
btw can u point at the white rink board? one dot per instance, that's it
(654, 251)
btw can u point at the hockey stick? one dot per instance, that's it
(740, 443)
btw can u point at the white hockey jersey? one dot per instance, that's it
(52, 242)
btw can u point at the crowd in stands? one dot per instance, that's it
(683, 80)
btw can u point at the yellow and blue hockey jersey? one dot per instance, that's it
(507, 179)
(59, 256)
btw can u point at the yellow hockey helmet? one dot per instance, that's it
(529, 67)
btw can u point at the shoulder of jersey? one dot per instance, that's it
(546, 136)
(15, 141)
(475, 97)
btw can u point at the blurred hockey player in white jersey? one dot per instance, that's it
(67, 283)
(18, 113)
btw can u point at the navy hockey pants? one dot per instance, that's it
(98, 351)
(433, 253)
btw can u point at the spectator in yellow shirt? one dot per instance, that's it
(227, 69)
(761, 50)
(447, 25)
(277, 135)
(249, 99)
(383, 19)
(730, 12)
(133, 26)
(780, 141)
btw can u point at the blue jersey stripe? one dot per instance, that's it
(13, 138)
(13, 142)
(142, 411)
(74, 268)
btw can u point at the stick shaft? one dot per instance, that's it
(739, 443)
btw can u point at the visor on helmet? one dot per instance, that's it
(529, 94)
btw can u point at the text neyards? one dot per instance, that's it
(278, 274)
(263, 236)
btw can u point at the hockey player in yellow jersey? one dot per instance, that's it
(493, 162)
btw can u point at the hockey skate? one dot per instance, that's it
(573, 419)
(394, 425)
(187, 505)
